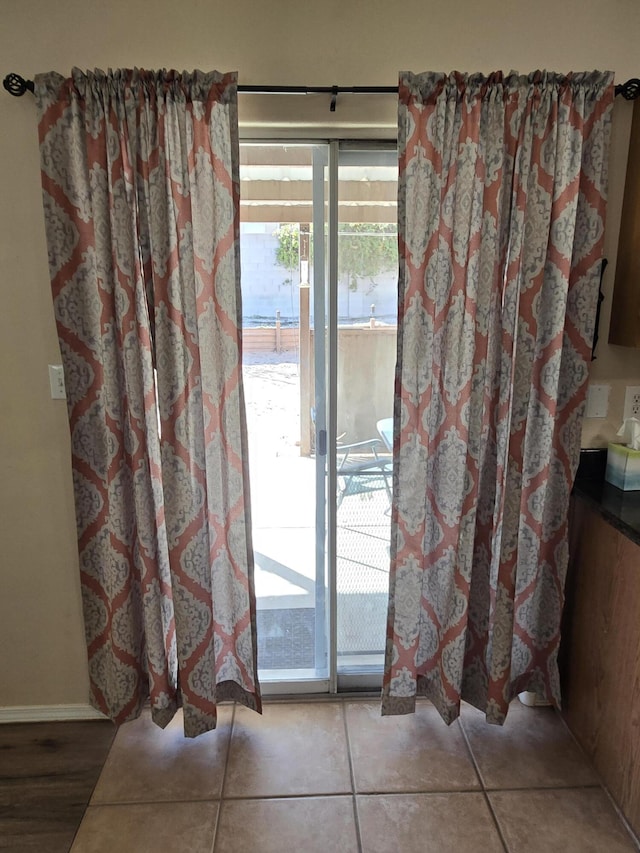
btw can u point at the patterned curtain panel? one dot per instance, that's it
(141, 190)
(501, 218)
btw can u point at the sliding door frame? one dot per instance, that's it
(325, 305)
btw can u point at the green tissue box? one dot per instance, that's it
(623, 467)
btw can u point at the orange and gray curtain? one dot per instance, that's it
(502, 193)
(141, 196)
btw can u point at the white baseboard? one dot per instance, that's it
(48, 713)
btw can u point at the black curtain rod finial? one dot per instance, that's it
(17, 85)
(629, 90)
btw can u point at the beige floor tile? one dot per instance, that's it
(416, 752)
(148, 828)
(293, 749)
(309, 824)
(573, 821)
(533, 749)
(427, 823)
(149, 764)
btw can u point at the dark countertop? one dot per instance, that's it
(620, 509)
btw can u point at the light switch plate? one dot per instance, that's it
(56, 382)
(597, 401)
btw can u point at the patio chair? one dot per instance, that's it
(363, 467)
(385, 428)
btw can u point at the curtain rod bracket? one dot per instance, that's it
(334, 98)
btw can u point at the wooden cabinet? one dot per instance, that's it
(625, 309)
(600, 654)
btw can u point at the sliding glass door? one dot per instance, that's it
(319, 268)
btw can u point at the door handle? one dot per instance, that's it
(322, 442)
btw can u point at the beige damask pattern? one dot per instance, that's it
(141, 197)
(501, 205)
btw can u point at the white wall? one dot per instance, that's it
(350, 42)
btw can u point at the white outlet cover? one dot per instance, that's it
(632, 402)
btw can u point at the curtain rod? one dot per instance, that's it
(17, 86)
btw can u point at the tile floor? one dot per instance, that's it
(335, 776)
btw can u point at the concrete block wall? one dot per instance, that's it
(267, 287)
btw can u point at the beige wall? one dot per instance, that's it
(350, 42)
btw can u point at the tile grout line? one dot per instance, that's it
(408, 792)
(334, 794)
(178, 801)
(323, 795)
(354, 799)
(556, 786)
(224, 778)
(485, 794)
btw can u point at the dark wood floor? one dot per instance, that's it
(47, 774)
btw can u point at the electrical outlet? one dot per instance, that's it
(632, 402)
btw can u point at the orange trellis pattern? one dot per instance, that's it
(141, 194)
(501, 204)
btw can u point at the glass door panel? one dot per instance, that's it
(282, 237)
(367, 273)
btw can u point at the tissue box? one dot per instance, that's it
(623, 467)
